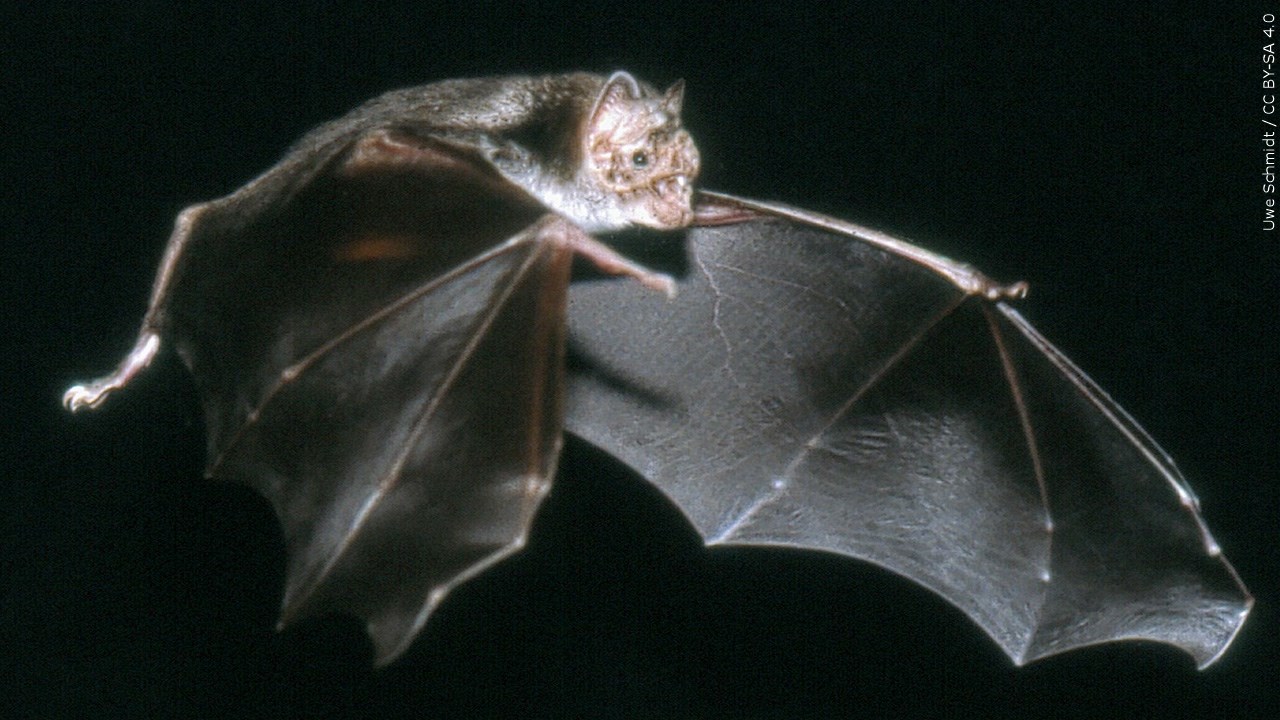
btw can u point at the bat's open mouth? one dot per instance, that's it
(674, 187)
(674, 203)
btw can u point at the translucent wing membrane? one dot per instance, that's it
(818, 389)
(431, 464)
(381, 358)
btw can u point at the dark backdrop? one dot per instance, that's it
(1111, 157)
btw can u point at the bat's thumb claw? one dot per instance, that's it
(1016, 291)
(975, 283)
(993, 291)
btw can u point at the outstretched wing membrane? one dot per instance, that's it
(820, 386)
(381, 357)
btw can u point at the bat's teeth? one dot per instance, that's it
(673, 185)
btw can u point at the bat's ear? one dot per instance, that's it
(673, 98)
(622, 85)
(614, 105)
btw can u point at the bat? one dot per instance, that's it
(387, 345)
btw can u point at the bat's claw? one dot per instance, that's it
(1016, 291)
(78, 397)
(92, 395)
(976, 283)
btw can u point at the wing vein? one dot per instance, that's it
(800, 287)
(715, 319)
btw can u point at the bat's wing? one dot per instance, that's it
(819, 385)
(379, 352)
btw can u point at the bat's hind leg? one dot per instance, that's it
(93, 394)
(612, 262)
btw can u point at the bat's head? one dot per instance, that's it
(637, 154)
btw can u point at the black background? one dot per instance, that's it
(1111, 157)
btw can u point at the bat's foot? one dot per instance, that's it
(92, 395)
(660, 282)
(609, 261)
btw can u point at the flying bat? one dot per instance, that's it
(387, 344)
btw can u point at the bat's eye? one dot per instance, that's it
(640, 159)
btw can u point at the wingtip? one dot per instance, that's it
(1205, 659)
